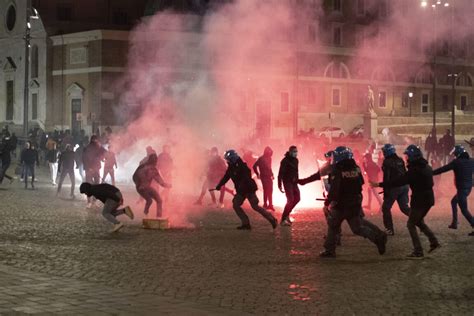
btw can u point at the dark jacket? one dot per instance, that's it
(241, 176)
(420, 178)
(463, 168)
(145, 174)
(52, 155)
(288, 172)
(263, 167)
(92, 155)
(66, 161)
(5, 151)
(447, 143)
(431, 144)
(393, 167)
(103, 192)
(29, 156)
(346, 185)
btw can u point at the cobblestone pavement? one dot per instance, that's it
(54, 250)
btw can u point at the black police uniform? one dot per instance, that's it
(345, 203)
(420, 178)
(394, 167)
(245, 187)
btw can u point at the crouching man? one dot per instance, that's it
(112, 199)
(246, 187)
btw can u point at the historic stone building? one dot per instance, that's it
(79, 49)
(75, 48)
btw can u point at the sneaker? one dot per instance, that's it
(128, 212)
(265, 206)
(327, 254)
(381, 243)
(434, 247)
(244, 227)
(117, 227)
(271, 208)
(415, 255)
(389, 232)
(274, 223)
(286, 222)
(453, 226)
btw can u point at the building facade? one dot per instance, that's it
(79, 51)
(75, 49)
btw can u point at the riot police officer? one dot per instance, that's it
(420, 178)
(393, 167)
(245, 187)
(344, 202)
(463, 167)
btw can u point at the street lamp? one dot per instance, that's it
(434, 4)
(31, 13)
(410, 97)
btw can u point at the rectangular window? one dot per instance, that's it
(360, 7)
(34, 106)
(10, 101)
(382, 99)
(337, 36)
(463, 103)
(78, 55)
(336, 97)
(285, 102)
(445, 102)
(425, 102)
(337, 5)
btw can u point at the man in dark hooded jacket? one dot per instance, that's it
(288, 180)
(263, 170)
(463, 167)
(112, 199)
(5, 156)
(420, 178)
(246, 187)
(143, 177)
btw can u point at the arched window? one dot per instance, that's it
(337, 70)
(464, 80)
(383, 74)
(34, 61)
(424, 76)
